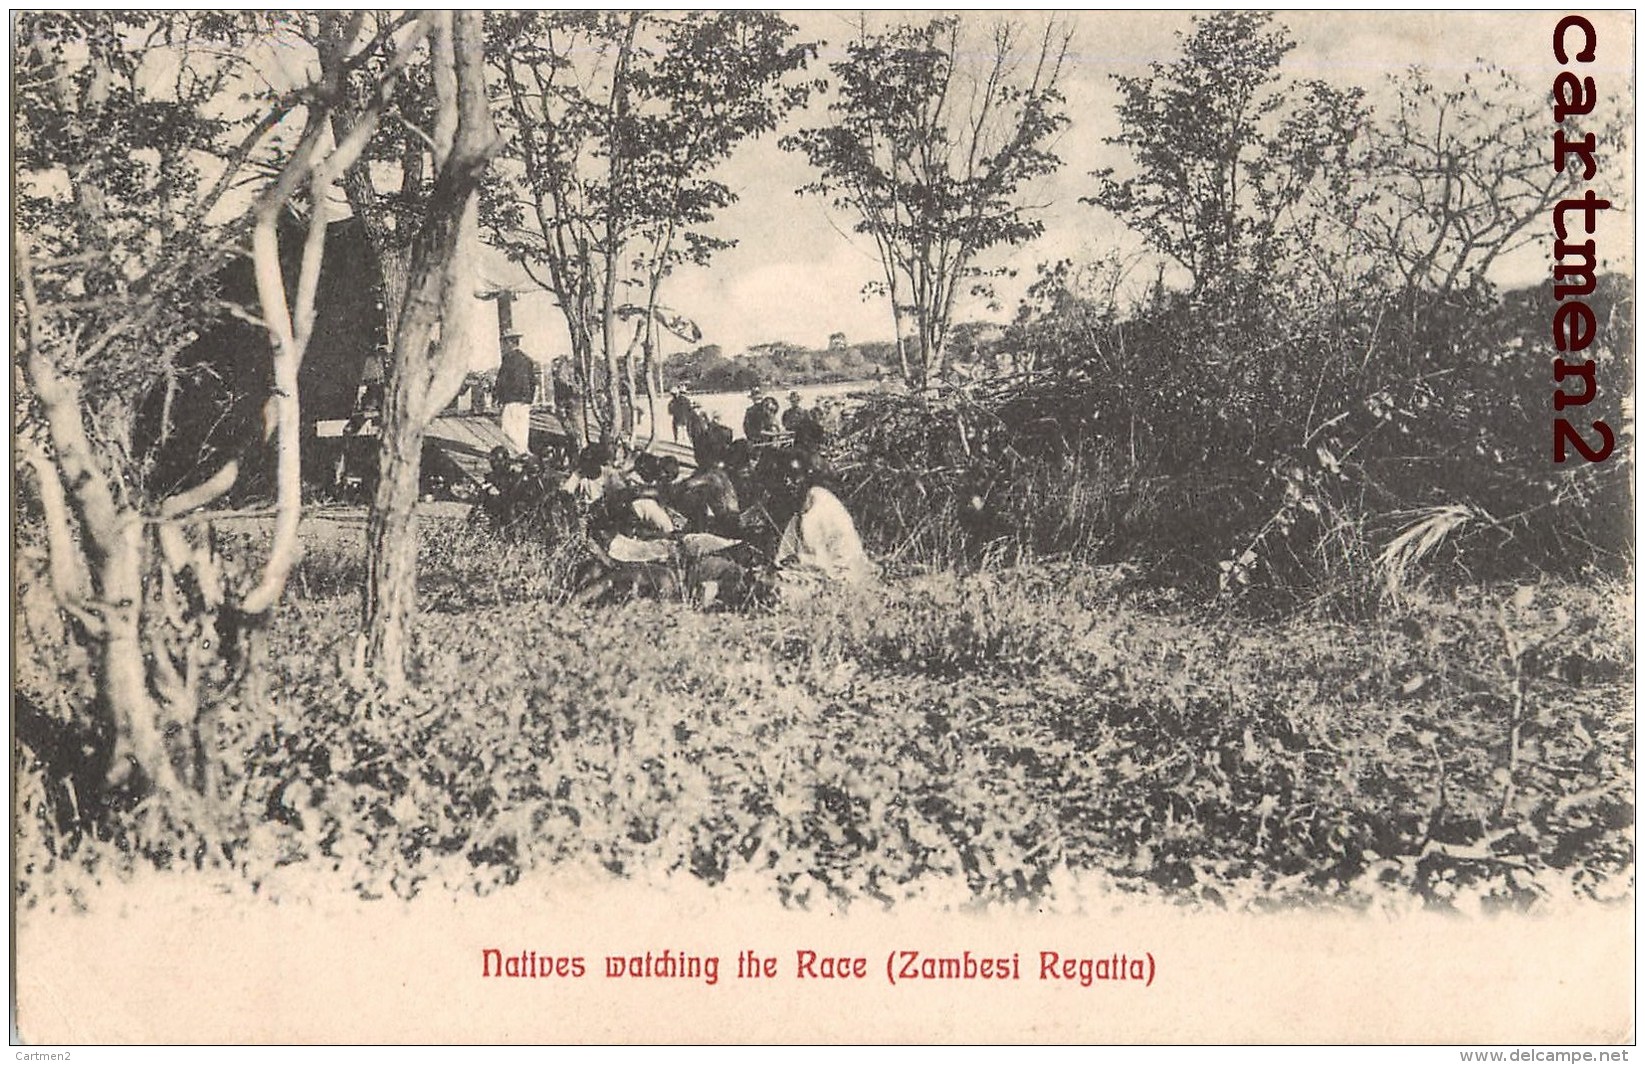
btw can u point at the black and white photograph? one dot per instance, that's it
(848, 527)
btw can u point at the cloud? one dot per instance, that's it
(801, 300)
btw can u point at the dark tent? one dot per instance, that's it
(211, 408)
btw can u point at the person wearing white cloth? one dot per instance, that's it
(821, 540)
(516, 391)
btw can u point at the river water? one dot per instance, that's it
(731, 406)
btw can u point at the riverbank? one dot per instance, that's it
(729, 407)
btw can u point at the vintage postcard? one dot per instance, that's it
(824, 527)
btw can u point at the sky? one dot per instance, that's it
(798, 270)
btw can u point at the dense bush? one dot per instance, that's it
(1280, 456)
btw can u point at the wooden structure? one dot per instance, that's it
(211, 408)
(458, 444)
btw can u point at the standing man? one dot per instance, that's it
(760, 421)
(794, 415)
(516, 391)
(679, 411)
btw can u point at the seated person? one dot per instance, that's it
(822, 540)
(656, 469)
(708, 500)
(593, 475)
(819, 539)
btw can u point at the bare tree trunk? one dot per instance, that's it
(650, 373)
(394, 263)
(391, 534)
(613, 239)
(98, 578)
(422, 375)
(904, 366)
(139, 742)
(291, 327)
(945, 317)
(585, 386)
(613, 425)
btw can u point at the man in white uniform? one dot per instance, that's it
(516, 390)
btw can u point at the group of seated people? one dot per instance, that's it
(759, 524)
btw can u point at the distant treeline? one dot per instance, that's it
(780, 365)
(775, 365)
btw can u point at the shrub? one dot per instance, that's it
(1276, 456)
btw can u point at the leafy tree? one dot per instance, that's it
(618, 122)
(137, 139)
(1226, 151)
(933, 153)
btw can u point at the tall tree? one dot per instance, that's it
(932, 145)
(1225, 150)
(136, 138)
(618, 124)
(428, 356)
(387, 187)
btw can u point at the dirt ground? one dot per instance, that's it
(340, 524)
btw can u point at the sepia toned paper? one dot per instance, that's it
(169, 965)
(171, 957)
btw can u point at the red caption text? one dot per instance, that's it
(807, 964)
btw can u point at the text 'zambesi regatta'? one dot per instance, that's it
(901, 966)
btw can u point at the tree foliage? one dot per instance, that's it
(115, 128)
(146, 159)
(618, 125)
(934, 153)
(1452, 177)
(1226, 150)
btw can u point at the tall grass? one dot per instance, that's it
(1339, 525)
(465, 564)
(462, 562)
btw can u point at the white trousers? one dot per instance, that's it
(517, 425)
